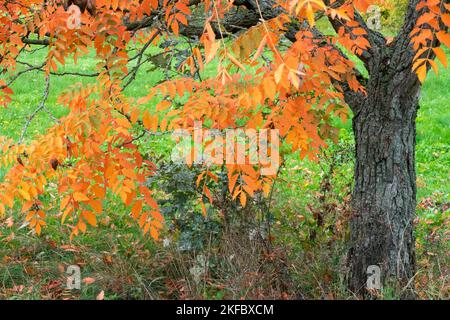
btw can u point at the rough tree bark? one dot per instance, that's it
(384, 196)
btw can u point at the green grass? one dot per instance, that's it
(28, 91)
(433, 122)
(433, 136)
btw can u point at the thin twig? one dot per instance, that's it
(38, 109)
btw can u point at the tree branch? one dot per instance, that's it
(375, 38)
(38, 109)
(42, 42)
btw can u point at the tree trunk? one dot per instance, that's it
(384, 197)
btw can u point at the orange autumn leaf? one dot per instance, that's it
(81, 197)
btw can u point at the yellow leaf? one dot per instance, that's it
(210, 31)
(320, 4)
(440, 54)
(154, 126)
(64, 202)
(212, 51)
(90, 218)
(27, 205)
(146, 119)
(154, 233)
(200, 177)
(163, 124)
(123, 122)
(175, 27)
(236, 62)
(293, 77)
(203, 209)
(38, 229)
(80, 197)
(279, 73)
(310, 14)
(24, 194)
(261, 46)
(444, 38)
(96, 205)
(137, 209)
(163, 105)
(434, 66)
(243, 199)
(422, 72)
(82, 226)
(65, 213)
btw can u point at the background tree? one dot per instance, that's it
(92, 152)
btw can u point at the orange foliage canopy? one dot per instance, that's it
(91, 153)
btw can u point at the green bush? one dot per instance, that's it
(393, 12)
